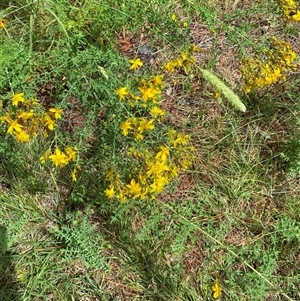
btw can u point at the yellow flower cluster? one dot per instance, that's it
(152, 166)
(156, 169)
(185, 61)
(291, 9)
(149, 91)
(147, 96)
(61, 159)
(137, 126)
(28, 118)
(269, 67)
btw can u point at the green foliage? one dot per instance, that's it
(81, 240)
(232, 216)
(291, 155)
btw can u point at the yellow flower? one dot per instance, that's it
(71, 153)
(217, 290)
(18, 98)
(174, 17)
(135, 64)
(122, 92)
(157, 80)
(185, 24)
(49, 123)
(75, 172)
(22, 136)
(296, 17)
(169, 67)
(126, 126)
(145, 125)
(59, 159)
(149, 93)
(159, 184)
(25, 115)
(181, 140)
(2, 23)
(13, 126)
(162, 154)
(110, 192)
(157, 112)
(138, 136)
(57, 112)
(134, 189)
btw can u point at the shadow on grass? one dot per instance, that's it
(8, 284)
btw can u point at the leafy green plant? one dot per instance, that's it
(81, 240)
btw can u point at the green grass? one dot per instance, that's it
(232, 216)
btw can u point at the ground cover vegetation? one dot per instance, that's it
(149, 150)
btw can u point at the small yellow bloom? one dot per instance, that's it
(145, 125)
(157, 80)
(185, 24)
(174, 17)
(159, 184)
(296, 17)
(217, 290)
(110, 192)
(71, 153)
(138, 136)
(135, 64)
(122, 92)
(134, 189)
(74, 173)
(49, 123)
(59, 159)
(126, 126)
(18, 98)
(25, 115)
(57, 112)
(169, 66)
(22, 136)
(2, 23)
(14, 126)
(157, 112)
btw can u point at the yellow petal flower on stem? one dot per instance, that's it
(159, 184)
(49, 123)
(145, 125)
(17, 98)
(110, 192)
(25, 115)
(22, 136)
(216, 288)
(134, 189)
(57, 112)
(157, 112)
(59, 159)
(122, 92)
(296, 17)
(2, 23)
(14, 126)
(135, 64)
(126, 126)
(71, 153)
(74, 173)
(157, 80)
